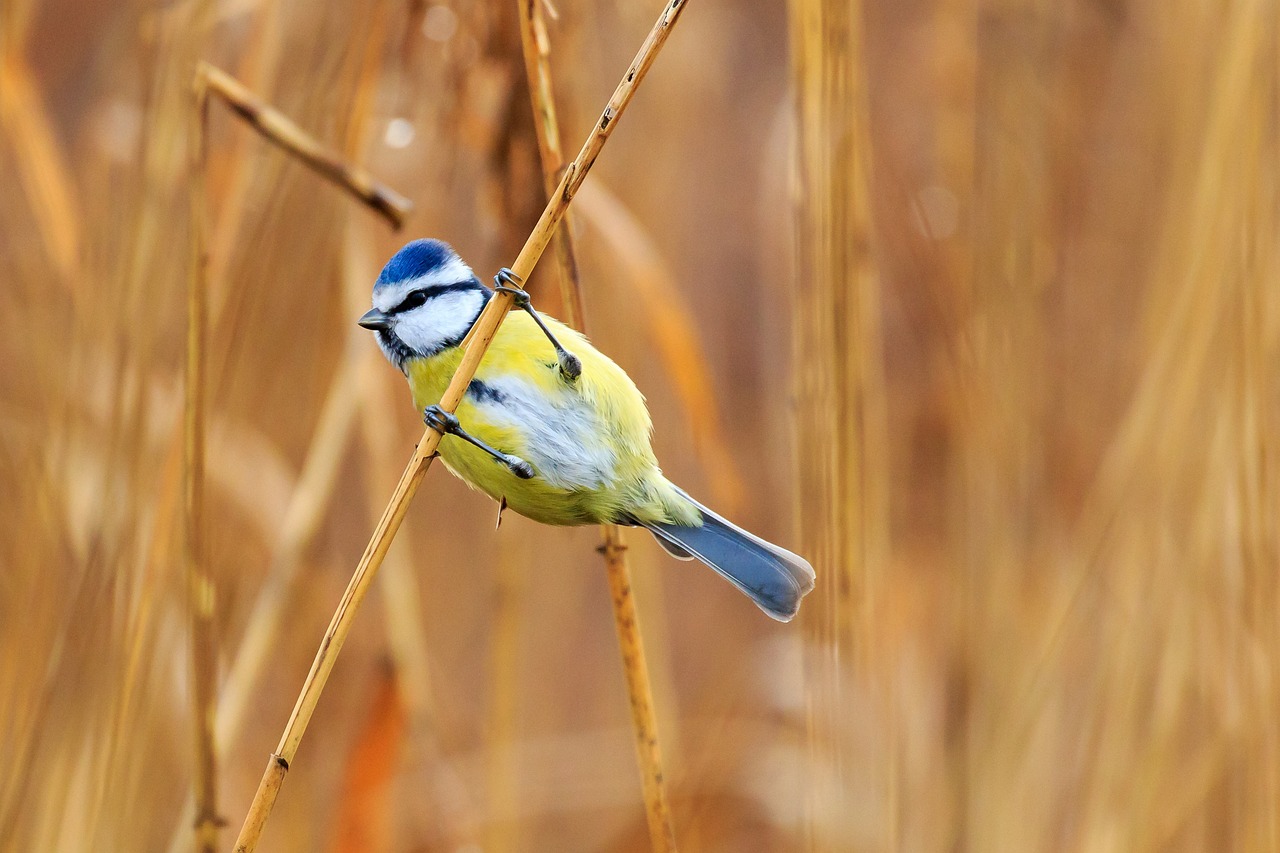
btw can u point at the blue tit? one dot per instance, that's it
(550, 426)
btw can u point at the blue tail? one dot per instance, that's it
(773, 577)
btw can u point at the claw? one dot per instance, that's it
(508, 282)
(441, 421)
(446, 423)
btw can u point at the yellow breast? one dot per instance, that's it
(588, 441)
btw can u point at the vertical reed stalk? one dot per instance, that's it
(840, 393)
(260, 61)
(201, 590)
(393, 207)
(478, 340)
(502, 830)
(533, 39)
(222, 719)
(644, 719)
(537, 65)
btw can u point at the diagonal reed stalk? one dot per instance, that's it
(45, 176)
(533, 39)
(282, 131)
(478, 340)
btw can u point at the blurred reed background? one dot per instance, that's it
(974, 303)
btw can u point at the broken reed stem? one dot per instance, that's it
(201, 591)
(477, 343)
(533, 39)
(280, 130)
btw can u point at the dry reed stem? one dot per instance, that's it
(259, 62)
(201, 590)
(537, 66)
(502, 830)
(46, 180)
(644, 719)
(478, 340)
(842, 446)
(283, 132)
(302, 517)
(533, 39)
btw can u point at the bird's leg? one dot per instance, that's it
(446, 423)
(570, 365)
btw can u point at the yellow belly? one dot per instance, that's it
(588, 442)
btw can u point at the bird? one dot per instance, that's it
(550, 427)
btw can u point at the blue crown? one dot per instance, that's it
(417, 258)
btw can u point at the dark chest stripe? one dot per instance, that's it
(482, 392)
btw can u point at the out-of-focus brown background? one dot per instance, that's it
(973, 303)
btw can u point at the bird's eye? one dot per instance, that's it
(413, 300)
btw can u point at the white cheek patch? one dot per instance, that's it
(561, 431)
(452, 271)
(439, 321)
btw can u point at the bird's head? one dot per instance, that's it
(424, 301)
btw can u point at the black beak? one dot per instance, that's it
(375, 320)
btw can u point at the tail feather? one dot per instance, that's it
(774, 578)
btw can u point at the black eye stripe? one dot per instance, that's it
(417, 298)
(411, 301)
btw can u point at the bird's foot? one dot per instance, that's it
(441, 421)
(447, 423)
(508, 282)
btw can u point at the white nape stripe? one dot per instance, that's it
(563, 436)
(452, 271)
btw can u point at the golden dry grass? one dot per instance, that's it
(985, 311)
